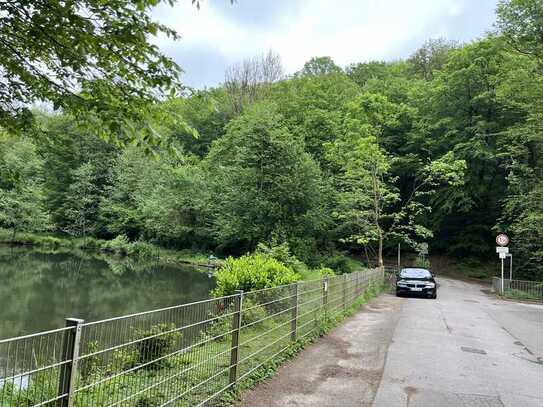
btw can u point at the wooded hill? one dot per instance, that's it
(444, 147)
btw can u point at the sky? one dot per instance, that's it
(220, 34)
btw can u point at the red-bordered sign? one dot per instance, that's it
(502, 240)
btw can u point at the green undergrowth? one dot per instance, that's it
(516, 294)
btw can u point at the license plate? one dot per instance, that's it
(416, 289)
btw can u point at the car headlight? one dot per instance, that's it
(430, 285)
(402, 284)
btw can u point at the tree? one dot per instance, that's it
(265, 184)
(21, 195)
(312, 107)
(431, 57)
(248, 81)
(318, 66)
(372, 208)
(362, 72)
(89, 58)
(64, 150)
(521, 23)
(82, 200)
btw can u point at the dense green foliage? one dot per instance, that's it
(252, 272)
(445, 147)
(90, 58)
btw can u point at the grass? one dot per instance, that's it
(516, 294)
(202, 369)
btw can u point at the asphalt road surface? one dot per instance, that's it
(466, 348)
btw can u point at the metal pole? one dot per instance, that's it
(236, 327)
(294, 315)
(510, 266)
(502, 276)
(68, 371)
(399, 256)
(325, 294)
(344, 292)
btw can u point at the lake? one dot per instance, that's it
(39, 289)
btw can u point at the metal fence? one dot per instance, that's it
(520, 289)
(186, 355)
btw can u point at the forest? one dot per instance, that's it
(444, 147)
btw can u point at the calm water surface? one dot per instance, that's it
(39, 289)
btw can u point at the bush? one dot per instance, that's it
(143, 250)
(252, 272)
(281, 253)
(48, 241)
(339, 263)
(157, 342)
(325, 272)
(119, 245)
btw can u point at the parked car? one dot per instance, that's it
(415, 280)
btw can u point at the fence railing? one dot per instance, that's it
(519, 289)
(185, 355)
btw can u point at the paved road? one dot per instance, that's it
(464, 349)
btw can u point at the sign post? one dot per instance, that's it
(502, 240)
(399, 257)
(510, 255)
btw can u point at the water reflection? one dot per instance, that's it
(39, 289)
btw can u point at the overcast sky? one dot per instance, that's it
(220, 34)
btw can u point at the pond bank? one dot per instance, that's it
(120, 246)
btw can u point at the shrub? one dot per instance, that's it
(339, 263)
(326, 272)
(157, 342)
(141, 249)
(252, 272)
(119, 245)
(281, 253)
(48, 241)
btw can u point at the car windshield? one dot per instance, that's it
(415, 273)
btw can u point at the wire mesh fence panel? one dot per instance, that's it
(186, 355)
(311, 300)
(174, 356)
(33, 367)
(267, 317)
(518, 289)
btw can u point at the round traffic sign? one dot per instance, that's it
(502, 240)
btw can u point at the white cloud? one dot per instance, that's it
(347, 30)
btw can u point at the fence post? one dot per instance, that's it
(294, 316)
(358, 284)
(236, 327)
(344, 292)
(68, 370)
(325, 294)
